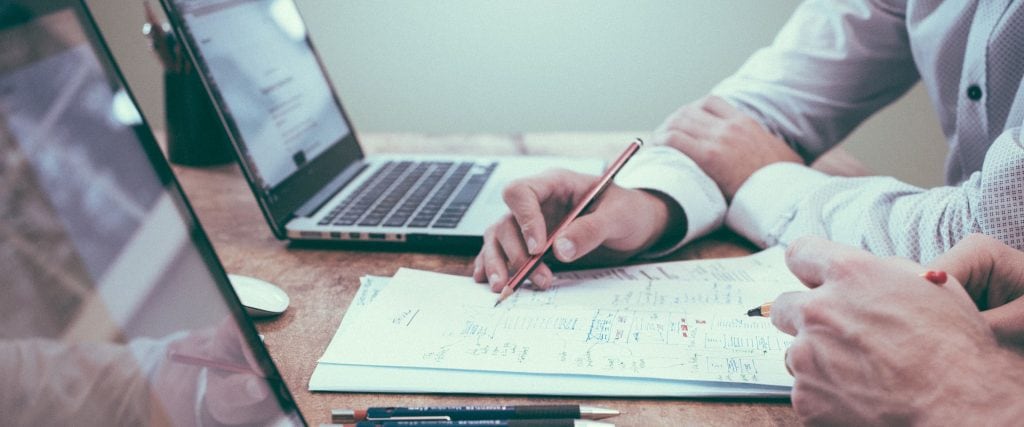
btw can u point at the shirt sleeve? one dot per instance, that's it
(667, 171)
(782, 202)
(811, 86)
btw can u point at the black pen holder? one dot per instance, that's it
(195, 135)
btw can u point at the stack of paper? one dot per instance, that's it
(667, 329)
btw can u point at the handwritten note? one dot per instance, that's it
(679, 320)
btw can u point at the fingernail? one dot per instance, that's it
(531, 245)
(493, 279)
(565, 248)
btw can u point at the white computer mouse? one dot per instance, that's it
(260, 298)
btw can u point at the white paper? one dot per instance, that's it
(630, 326)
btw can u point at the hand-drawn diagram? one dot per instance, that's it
(681, 320)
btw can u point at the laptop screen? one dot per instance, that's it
(115, 310)
(272, 93)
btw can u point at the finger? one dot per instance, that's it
(542, 277)
(515, 251)
(970, 262)
(478, 269)
(524, 198)
(813, 260)
(787, 311)
(583, 235)
(991, 272)
(720, 108)
(495, 264)
(1007, 323)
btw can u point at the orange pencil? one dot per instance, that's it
(517, 279)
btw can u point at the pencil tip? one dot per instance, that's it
(754, 312)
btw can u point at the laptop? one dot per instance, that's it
(298, 150)
(114, 307)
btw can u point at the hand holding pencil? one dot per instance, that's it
(622, 223)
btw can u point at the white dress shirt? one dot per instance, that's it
(833, 65)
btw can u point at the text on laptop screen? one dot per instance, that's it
(109, 294)
(269, 82)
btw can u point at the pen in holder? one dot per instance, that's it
(195, 135)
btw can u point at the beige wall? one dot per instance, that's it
(537, 65)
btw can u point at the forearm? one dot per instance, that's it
(780, 203)
(48, 382)
(831, 66)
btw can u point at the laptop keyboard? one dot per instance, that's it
(413, 194)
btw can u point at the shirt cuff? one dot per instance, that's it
(766, 203)
(670, 172)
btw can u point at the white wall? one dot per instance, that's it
(534, 65)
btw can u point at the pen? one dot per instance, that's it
(208, 363)
(462, 413)
(937, 277)
(487, 423)
(517, 279)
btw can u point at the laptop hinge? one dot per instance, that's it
(324, 195)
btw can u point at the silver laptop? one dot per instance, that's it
(115, 309)
(300, 154)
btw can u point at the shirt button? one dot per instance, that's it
(974, 92)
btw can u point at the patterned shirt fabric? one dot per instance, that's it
(837, 62)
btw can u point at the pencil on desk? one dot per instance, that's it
(531, 264)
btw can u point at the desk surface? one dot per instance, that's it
(321, 283)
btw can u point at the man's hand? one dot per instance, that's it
(231, 398)
(726, 143)
(876, 344)
(620, 224)
(993, 275)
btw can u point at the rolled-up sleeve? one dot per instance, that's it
(781, 203)
(832, 65)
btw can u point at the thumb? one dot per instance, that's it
(1007, 322)
(582, 236)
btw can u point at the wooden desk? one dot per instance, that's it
(321, 283)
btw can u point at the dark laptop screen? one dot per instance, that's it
(270, 89)
(114, 309)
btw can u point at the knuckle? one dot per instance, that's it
(491, 232)
(817, 313)
(513, 192)
(735, 125)
(671, 138)
(588, 228)
(713, 151)
(800, 356)
(848, 268)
